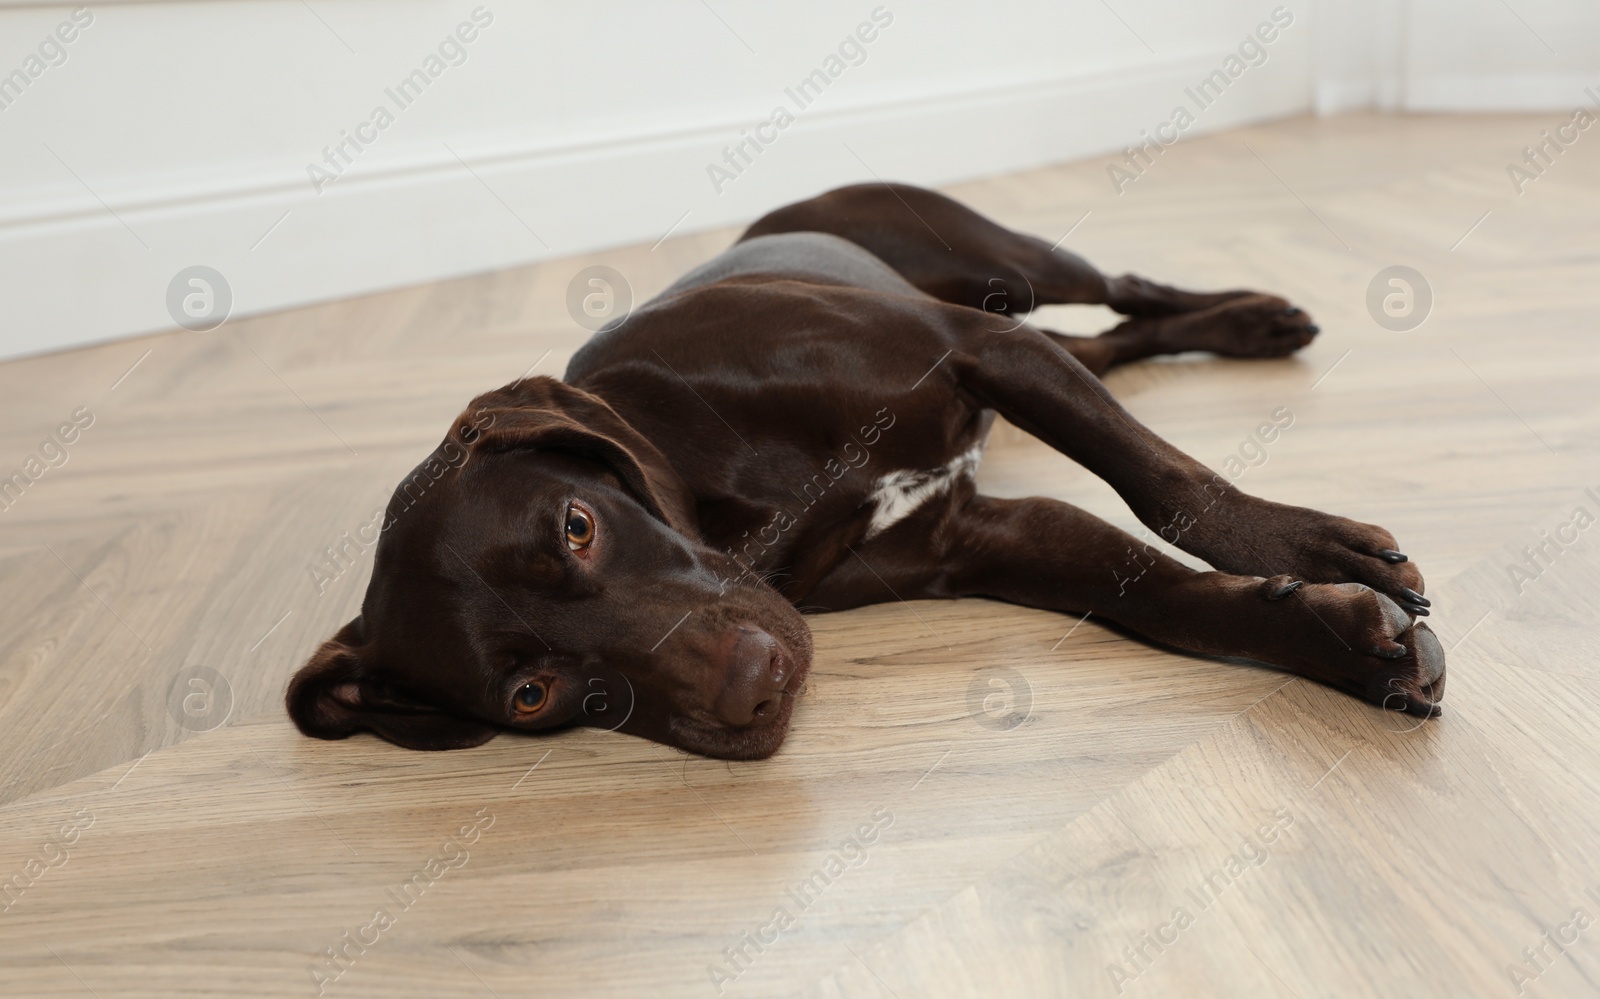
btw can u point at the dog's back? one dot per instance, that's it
(817, 257)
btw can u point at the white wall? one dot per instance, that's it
(1456, 55)
(180, 133)
(1358, 55)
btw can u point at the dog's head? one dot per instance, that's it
(542, 569)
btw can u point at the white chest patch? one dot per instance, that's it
(898, 494)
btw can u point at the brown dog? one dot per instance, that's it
(798, 422)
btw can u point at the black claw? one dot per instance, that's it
(1313, 329)
(1416, 611)
(1414, 597)
(1423, 709)
(1391, 556)
(1285, 590)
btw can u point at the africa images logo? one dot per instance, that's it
(451, 51)
(852, 51)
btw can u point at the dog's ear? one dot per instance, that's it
(546, 413)
(333, 695)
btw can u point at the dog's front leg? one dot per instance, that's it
(1041, 388)
(1044, 553)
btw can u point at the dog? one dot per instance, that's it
(797, 423)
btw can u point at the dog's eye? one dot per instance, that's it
(580, 529)
(530, 697)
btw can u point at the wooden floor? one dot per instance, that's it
(1053, 809)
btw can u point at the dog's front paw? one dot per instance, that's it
(1245, 534)
(1359, 641)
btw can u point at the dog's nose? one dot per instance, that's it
(752, 686)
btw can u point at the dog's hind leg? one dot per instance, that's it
(1254, 326)
(954, 254)
(1043, 553)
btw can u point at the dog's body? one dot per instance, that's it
(788, 494)
(803, 417)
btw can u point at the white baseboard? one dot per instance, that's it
(1342, 96)
(1555, 92)
(80, 270)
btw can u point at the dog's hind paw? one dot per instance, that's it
(1248, 326)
